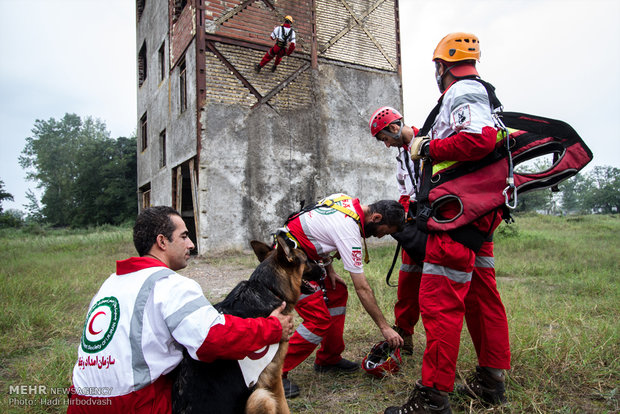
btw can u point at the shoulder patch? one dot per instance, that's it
(461, 117)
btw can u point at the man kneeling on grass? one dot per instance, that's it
(145, 315)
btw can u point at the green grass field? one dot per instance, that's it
(558, 277)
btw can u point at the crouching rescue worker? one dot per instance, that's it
(387, 126)
(338, 223)
(145, 315)
(284, 36)
(458, 282)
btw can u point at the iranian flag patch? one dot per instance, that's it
(356, 255)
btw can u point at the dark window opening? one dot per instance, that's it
(142, 65)
(162, 149)
(162, 61)
(143, 132)
(140, 8)
(182, 85)
(144, 195)
(182, 198)
(179, 5)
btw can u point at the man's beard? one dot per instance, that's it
(370, 229)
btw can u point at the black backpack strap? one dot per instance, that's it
(389, 274)
(493, 100)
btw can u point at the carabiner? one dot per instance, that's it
(510, 186)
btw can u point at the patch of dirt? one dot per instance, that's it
(217, 278)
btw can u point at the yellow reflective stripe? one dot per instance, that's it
(442, 166)
(327, 202)
(346, 211)
(439, 167)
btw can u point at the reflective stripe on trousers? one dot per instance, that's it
(407, 306)
(458, 284)
(320, 325)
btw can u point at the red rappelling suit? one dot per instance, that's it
(456, 282)
(282, 35)
(407, 308)
(320, 232)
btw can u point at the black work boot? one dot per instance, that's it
(257, 67)
(485, 385)
(273, 68)
(407, 348)
(291, 390)
(423, 400)
(344, 365)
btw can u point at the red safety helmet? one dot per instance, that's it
(383, 117)
(382, 360)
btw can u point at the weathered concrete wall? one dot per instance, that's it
(152, 29)
(256, 165)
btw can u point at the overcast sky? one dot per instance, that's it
(555, 58)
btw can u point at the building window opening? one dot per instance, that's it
(183, 191)
(142, 64)
(162, 61)
(179, 5)
(162, 149)
(144, 196)
(183, 85)
(140, 8)
(143, 132)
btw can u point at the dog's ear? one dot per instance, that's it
(261, 250)
(285, 253)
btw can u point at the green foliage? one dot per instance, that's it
(87, 177)
(604, 190)
(4, 195)
(597, 191)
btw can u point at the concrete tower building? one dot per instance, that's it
(236, 151)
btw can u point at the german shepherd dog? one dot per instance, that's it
(219, 387)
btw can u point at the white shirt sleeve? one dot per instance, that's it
(348, 241)
(187, 313)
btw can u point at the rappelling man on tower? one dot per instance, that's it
(284, 35)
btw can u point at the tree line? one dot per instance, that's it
(88, 178)
(594, 192)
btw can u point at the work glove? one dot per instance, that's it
(420, 148)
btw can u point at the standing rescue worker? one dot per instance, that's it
(284, 35)
(338, 223)
(387, 126)
(145, 315)
(456, 281)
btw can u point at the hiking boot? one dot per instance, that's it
(291, 390)
(486, 386)
(423, 400)
(344, 365)
(407, 348)
(257, 68)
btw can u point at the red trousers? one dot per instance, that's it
(322, 324)
(276, 51)
(407, 307)
(456, 284)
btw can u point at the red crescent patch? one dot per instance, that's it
(258, 355)
(90, 325)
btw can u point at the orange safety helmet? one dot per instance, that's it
(456, 47)
(288, 18)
